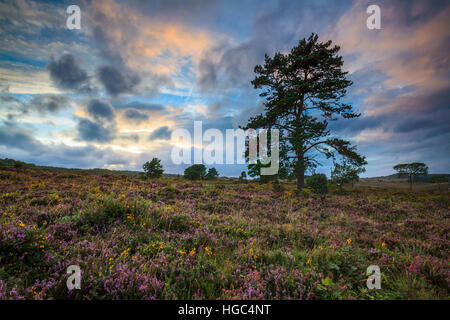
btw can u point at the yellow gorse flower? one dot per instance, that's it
(125, 252)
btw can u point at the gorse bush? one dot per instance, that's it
(318, 183)
(306, 192)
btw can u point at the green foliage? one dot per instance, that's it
(345, 173)
(306, 191)
(212, 174)
(11, 163)
(411, 171)
(169, 193)
(153, 169)
(303, 90)
(318, 183)
(195, 172)
(103, 213)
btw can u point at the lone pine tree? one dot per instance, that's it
(303, 90)
(411, 171)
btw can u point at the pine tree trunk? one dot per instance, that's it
(300, 173)
(410, 182)
(301, 180)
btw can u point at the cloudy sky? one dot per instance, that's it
(110, 94)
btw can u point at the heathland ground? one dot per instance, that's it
(170, 238)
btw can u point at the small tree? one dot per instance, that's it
(243, 176)
(411, 170)
(153, 169)
(195, 172)
(212, 174)
(346, 173)
(318, 183)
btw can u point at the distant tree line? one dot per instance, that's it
(199, 172)
(154, 169)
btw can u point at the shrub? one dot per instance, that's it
(195, 172)
(169, 192)
(153, 169)
(306, 192)
(102, 214)
(212, 174)
(318, 183)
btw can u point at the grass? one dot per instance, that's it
(175, 239)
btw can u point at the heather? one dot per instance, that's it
(171, 238)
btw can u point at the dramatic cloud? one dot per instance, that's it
(135, 115)
(28, 17)
(103, 128)
(105, 45)
(132, 46)
(49, 103)
(15, 138)
(41, 104)
(116, 82)
(142, 106)
(95, 131)
(273, 30)
(20, 143)
(67, 74)
(162, 133)
(138, 68)
(401, 83)
(100, 110)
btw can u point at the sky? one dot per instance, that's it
(110, 94)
